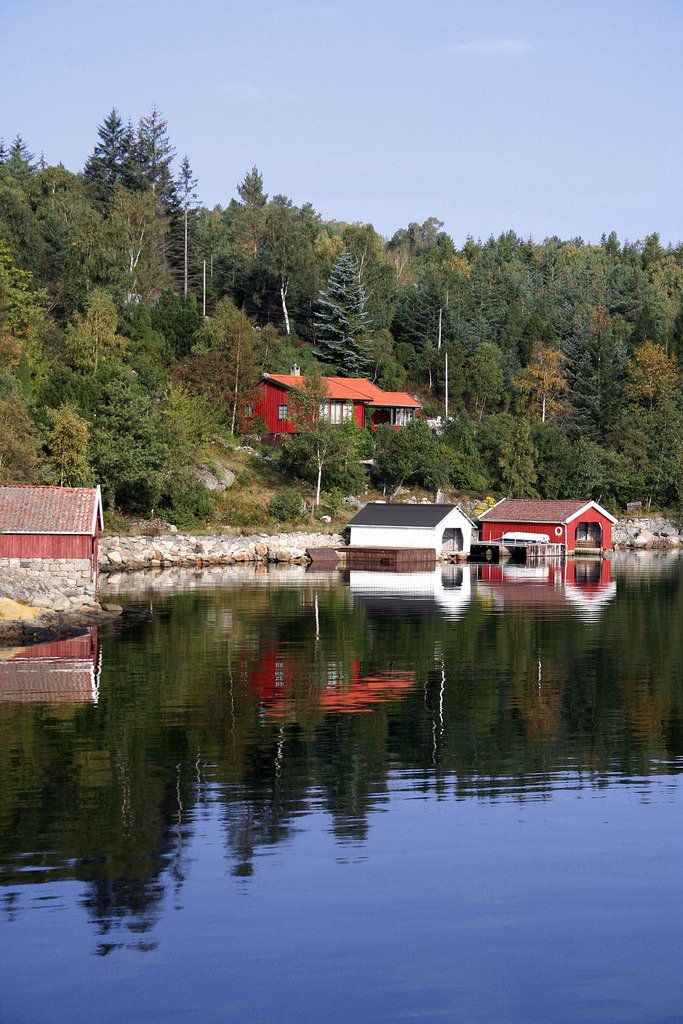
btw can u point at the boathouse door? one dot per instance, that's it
(452, 540)
(589, 535)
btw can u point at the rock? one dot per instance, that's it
(645, 539)
(173, 529)
(115, 557)
(113, 609)
(326, 519)
(215, 478)
(440, 497)
(352, 502)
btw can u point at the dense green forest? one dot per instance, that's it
(134, 321)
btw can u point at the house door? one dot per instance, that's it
(452, 540)
(589, 535)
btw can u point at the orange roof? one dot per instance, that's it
(350, 389)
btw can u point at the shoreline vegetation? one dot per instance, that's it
(135, 324)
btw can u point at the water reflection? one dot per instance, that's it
(446, 591)
(585, 585)
(241, 711)
(58, 672)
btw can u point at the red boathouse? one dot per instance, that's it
(55, 523)
(579, 525)
(274, 401)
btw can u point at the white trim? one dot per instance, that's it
(598, 508)
(97, 508)
(484, 514)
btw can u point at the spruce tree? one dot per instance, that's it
(342, 322)
(155, 154)
(108, 165)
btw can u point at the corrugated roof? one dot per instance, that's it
(350, 389)
(379, 514)
(526, 510)
(70, 510)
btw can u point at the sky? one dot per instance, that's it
(549, 117)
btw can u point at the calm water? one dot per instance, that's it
(307, 798)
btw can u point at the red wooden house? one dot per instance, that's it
(50, 522)
(579, 525)
(274, 400)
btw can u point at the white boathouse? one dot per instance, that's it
(441, 528)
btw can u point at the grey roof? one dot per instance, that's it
(382, 514)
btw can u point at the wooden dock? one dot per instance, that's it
(524, 552)
(389, 559)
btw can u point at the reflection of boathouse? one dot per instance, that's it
(585, 586)
(59, 672)
(280, 678)
(446, 591)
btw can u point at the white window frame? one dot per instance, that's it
(283, 412)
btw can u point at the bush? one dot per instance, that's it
(245, 479)
(286, 506)
(187, 506)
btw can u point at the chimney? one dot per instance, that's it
(296, 371)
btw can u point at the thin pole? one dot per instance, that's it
(439, 341)
(447, 385)
(204, 288)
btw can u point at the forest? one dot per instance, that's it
(135, 322)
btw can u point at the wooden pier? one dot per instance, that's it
(389, 559)
(524, 552)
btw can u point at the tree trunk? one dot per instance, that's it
(185, 274)
(283, 296)
(319, 481)
(543, 409)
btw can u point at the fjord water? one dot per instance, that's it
(299, 797)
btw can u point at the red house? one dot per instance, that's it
(62, 523)
(349, 398)
(579, 525)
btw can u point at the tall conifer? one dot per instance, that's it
(342, 322)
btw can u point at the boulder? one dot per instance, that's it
(215, 478)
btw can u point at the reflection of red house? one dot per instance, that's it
(59, 672)
(349, 398)
(279, 678)
(579, 525)
(585, 585)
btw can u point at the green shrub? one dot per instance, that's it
(245, 478)
(187, 506)
(286, 506)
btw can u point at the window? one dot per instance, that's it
(403, 417)
(282, 412)
(249, 411)
(348, 411)
(336, 412)
(324, 412)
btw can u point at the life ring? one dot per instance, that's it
(558, 531)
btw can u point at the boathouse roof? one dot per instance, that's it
(50, 510)
(528, 510)
(378, 513)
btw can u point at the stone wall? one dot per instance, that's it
(56, 583)
(647, 532)
(175, 549)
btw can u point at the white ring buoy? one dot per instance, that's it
(558, 531)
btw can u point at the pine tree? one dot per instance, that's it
(18, 160)
(109, 163)
(341, 320)
(187, 186)
(154, 156)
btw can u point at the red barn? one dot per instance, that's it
(349, 398)
(56, 523)
(579, 525)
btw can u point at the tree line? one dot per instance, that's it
(134, 322)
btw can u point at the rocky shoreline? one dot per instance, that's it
(647, 533)
(31, 611)
(122, 554)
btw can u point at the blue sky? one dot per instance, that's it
(546, 116)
